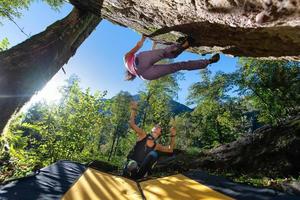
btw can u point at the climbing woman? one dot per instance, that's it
(144, 64)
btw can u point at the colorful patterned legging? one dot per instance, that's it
(147, 69)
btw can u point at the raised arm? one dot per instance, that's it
(169, 148)
(133, 109)
(137, 47)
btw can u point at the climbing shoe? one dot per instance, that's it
(180, 48)
(215, 58)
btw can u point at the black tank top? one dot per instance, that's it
(140, 150)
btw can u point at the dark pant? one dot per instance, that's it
(147, 69)
(143, 168)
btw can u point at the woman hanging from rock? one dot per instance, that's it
(144, 64)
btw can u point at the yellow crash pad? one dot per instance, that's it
(96, 185)
(179, 187)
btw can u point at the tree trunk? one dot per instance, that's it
(27, 67)
(248, 28)
(112, 146)
(116, 147)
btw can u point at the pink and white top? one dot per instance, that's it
(129, 63)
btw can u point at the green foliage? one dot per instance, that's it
(120, 112)
(81, 127)
(55, 4)
(193, 151)
(125, 144)
(268, 90)
(272, 87)
(4, 44)
(68, 130)
(217, 116)
(185, 131)
(119, 120)
(10, 9)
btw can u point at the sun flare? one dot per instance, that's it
(50, 93)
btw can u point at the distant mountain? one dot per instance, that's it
(175, 106)
(178, 108)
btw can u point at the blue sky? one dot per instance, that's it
(98, 61)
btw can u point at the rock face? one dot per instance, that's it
(250, 28)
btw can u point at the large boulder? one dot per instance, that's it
(251, 28)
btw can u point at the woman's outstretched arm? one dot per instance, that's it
(137, 47)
